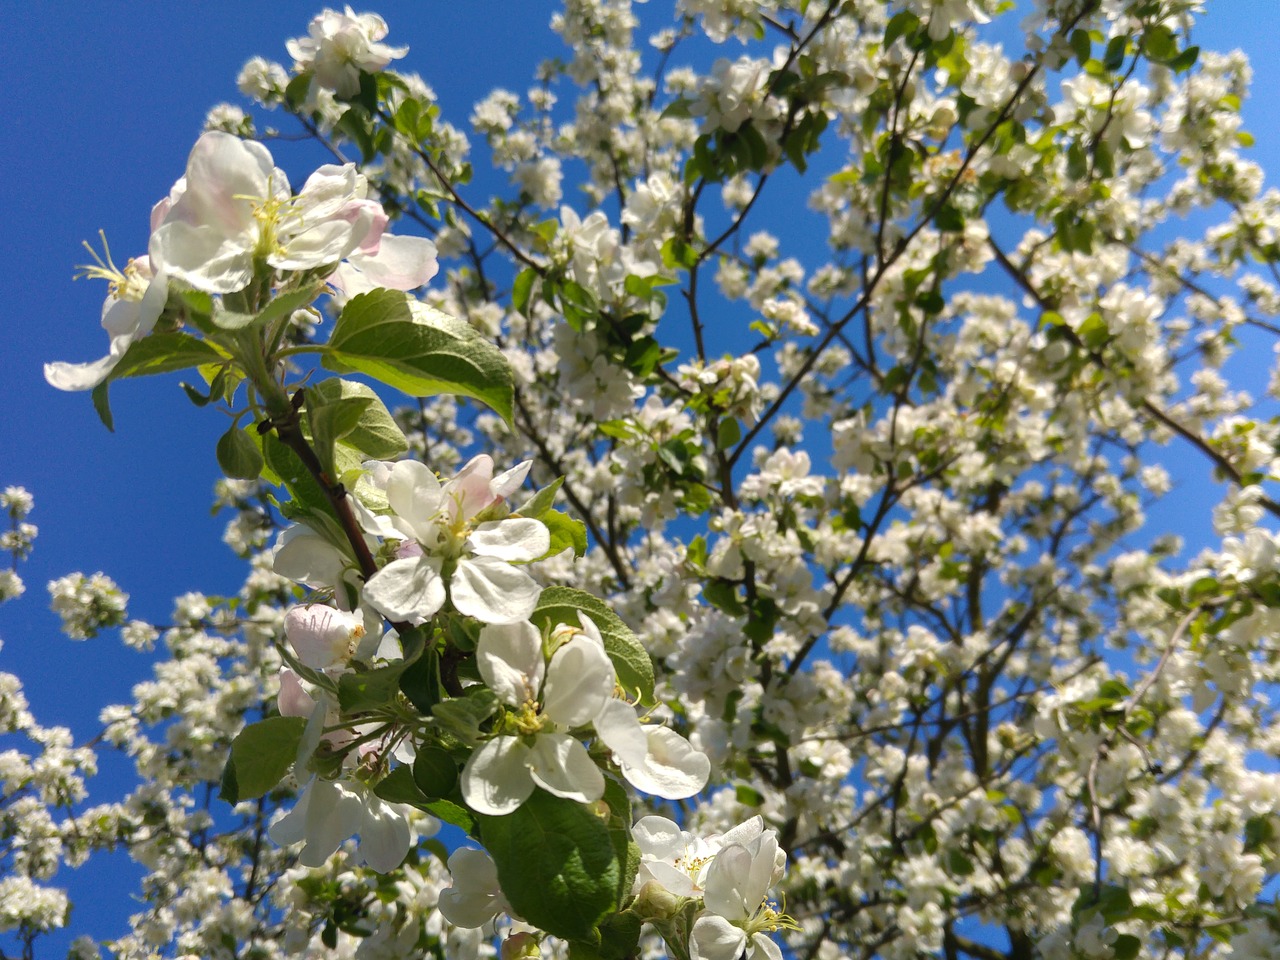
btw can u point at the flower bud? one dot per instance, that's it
(521, 946)
(655, 902)
(322, 636)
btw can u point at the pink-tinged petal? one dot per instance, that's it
(293, 700)
(669, 768)
(726, 879)
(509, 657)
(225, 175)
(580, 680)
(496, 780)
(322, 636)
(493, 591)
(406, 589)
(714, 938)
(561, 765)
(620, 729)
(401, 263)
(515, 538)
(333, 815)
(384, 835)
(468, 492)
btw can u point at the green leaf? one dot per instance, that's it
(283, 467)
(435, 772)
(522, 289)
(370, 689)
(420, 682)
(330, 421)
(238, 455)
(899, 25)
(1113, 59)
(399, 786)
(728, 433)
(569, 884)
(619, 936)
(1125, 947)
(566, 533)
(419, 350)
(261, 755)
(375, 435)
(541, 501)
(154, 354)
(559, 605)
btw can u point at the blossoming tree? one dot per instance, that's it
(661, 579)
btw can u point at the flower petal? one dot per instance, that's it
(493, 591)
(401, 263)
(475, 897)
(384, 835)
(509, 657)
(714, 938)
(516, 538)
(496, 780)
(670, 768)
(561, 765)
(333, 815)
(405, 589)
(726, 879)
(580, 680)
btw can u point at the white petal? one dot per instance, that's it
(292, 827)
(384, 835)
(496, 780)
(670, 768)
(475, 897)
(726, 879)
(319, 244)
(333, 815)
(203, 256)
(714, 938)
(658, 837)
(80, 376)
(620, 729)
(493, 591)
(580, 681)
(405, 589)
(401, 263)
(305, 556)
(509, 657)
(414, 495)
(561, 765)
(508, 482)
(762, 944)
(516, 538)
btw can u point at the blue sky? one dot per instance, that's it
(103, 102)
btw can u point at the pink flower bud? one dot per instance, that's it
(293, 701)
(322, 636)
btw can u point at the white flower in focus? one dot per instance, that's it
(655, 759)
(438, 524)
(549, 699)
(738, 916)
(475, 897)
(328, 812)
(233, 206)
(135, 299)
(341, 46)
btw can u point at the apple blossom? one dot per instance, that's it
(329, 812)
(444, 539)
(135, 300)
(340, 46)
(550, 699)
(475, 897)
